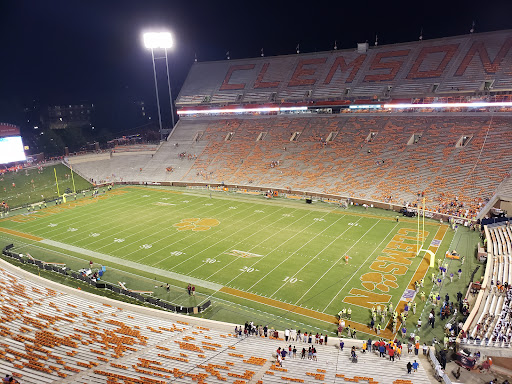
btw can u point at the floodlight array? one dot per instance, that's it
(153, 40)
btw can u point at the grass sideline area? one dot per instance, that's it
(33, 185)
(279, 250)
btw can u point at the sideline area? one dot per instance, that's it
(132, 264)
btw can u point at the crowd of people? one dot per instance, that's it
(449, 204)
(502, 331)
(391, 349)
(283, 353)
(454, 206)
(185, 155)
(251, 329)
(204, 174)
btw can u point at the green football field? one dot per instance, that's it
(281, 250)
(33, 185)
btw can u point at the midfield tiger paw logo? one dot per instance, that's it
(383, 283)
(196, 224)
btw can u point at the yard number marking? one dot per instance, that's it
(289, 279)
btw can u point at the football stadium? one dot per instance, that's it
(348, 207)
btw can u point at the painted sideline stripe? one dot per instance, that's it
(385, 333)
(21, 234)
(279, 304)
(131, 264)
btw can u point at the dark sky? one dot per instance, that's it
(71, 51)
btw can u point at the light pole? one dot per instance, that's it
(162, 40)
(169, 85)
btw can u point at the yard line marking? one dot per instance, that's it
(334, 264)
(161, 224)
(276, 248)
(144, 223)
(239, 242)
(117, 233)
(148, 213)
(221, 240)
(263, 241)
(302, 246)
(121, 205)
(73, 217)
(360, 266)
(232, 223)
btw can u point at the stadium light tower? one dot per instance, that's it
(160, 40)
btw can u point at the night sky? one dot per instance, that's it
(64, 52)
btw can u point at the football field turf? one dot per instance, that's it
(279, 252)
(34, 185)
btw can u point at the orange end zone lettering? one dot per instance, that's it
(365, 298)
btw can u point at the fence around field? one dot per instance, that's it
(104, 285)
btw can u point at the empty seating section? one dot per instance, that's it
(389, 157)
(119, 167)
(135, 148)
(143, 166)
(363, 156)
(493, 325)
(48, 336)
